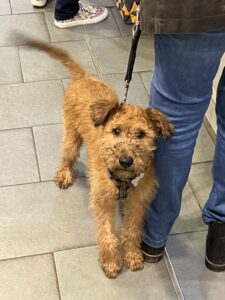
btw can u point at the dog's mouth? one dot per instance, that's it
(125, 182)
(123, 174)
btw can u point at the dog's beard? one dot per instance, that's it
(126, 173)
(123, 174)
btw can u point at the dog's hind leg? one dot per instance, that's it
(72, 142)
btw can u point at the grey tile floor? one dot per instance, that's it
(47, 236)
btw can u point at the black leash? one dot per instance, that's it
(136, 32)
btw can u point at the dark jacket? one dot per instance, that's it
(182, 16)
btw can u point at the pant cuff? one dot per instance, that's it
(155, 244)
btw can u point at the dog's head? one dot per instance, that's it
(127, 138)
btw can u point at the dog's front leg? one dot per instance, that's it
(131, 232)
(109, 246)
(65, 175)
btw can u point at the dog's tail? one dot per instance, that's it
(76, 70)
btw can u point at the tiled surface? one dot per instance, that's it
(187, 252)
(41, 218)
(200, 180)
(47, 234)
(136, 94)
(37, 65)
(204, 149)
(81, 277)
(32, 25)
(10, 71)
(24, 6)
(30, 104)
(28, 278)
(48, 142)
(119, 57)
(190, 215)
(110, 28)
(5, 8)
(146, 78)
(17, 157)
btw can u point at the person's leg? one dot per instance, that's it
(214, 210)
(66, 9)
(185, 66)
(69, 13)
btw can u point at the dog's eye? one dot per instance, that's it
(140, 134)
(116, 131)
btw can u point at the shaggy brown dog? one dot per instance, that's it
(120, 143)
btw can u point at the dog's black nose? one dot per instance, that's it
(125, 161)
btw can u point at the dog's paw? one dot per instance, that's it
(134, 261)
(111, 269)
(65, 178)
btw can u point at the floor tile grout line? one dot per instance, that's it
(56, 275)
(34, 81)
(201, 162)
(69, 41)
(173, 277)
(47, 27)
(196, 198)
(91, 51)
(21, 68)
(29, 126)
(188, 232)
(19, 184)
(68, 78)
(210, 130)
(144, 84)
(10, 9)
(118, 27)
(36, 155)
(34, 182)
(47, 253)
(23, 13)
(24, 256)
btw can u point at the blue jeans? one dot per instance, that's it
(185, 66)
(66, 9)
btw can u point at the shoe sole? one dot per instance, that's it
(214, 267)
(152, 258)
(81, 22)
(36, 3)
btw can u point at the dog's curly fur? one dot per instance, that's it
(93, 115)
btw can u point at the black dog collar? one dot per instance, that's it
(125, 184)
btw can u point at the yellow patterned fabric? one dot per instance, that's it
(127, 9)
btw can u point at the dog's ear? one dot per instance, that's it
(102, 110)
(160, 123)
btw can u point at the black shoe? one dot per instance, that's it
(152, 255)
(215, 247)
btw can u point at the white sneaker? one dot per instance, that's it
(39, 3)
(87, 14)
